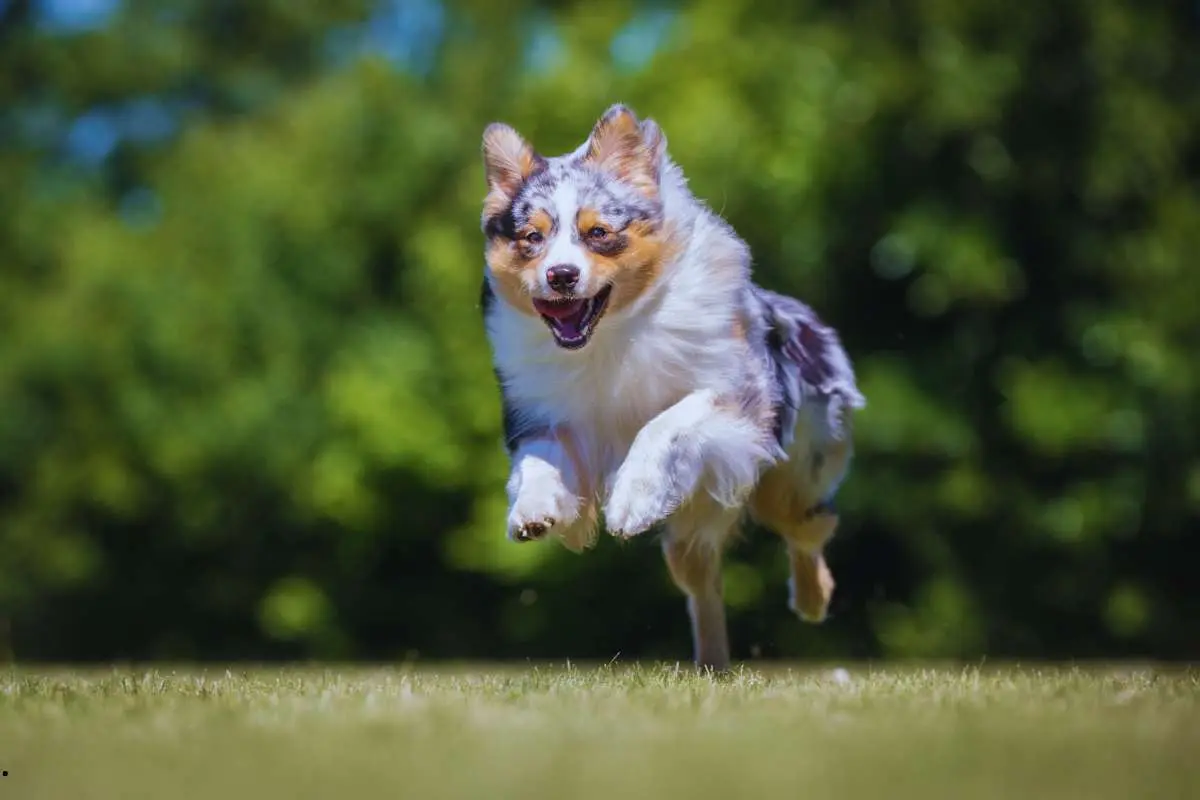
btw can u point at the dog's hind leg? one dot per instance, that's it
(811, 583)
(817, 395)
(794, 499)
(693, 546)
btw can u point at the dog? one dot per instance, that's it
(646, 379)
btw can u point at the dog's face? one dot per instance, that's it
(573, 237)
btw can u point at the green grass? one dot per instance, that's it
(530, 733)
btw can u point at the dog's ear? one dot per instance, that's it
(656, 141)
(627, 148)
(508, 161)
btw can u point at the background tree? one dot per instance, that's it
(246, 408)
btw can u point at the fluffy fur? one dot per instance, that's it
(645, 378)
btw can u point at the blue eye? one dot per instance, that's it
(597, 233)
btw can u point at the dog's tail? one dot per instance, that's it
(810, 364)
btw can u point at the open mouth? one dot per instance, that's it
(572, 320)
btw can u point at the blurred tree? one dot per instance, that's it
(246, 408)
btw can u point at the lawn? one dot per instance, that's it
(603, 732)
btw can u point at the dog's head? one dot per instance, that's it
(572, 237)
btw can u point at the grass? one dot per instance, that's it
(606, 732)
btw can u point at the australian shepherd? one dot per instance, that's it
(645, 378)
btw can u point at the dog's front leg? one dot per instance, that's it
(542, 489)
(700, 442)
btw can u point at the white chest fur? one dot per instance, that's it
(636, 367)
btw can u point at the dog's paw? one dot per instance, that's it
(529, 530)
(811, 587)
(535, 514)
(638, 501)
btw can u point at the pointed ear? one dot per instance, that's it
(656, 141)
(508, 161)
(619, 145)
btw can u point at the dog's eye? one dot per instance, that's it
(597, 233)
(533, 237)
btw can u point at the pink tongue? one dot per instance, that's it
(569, 327)
(567, 316)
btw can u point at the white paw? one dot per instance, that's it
(540, 506)
(641, 497)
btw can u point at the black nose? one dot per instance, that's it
(562, 277)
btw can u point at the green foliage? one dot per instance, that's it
(246, 406)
